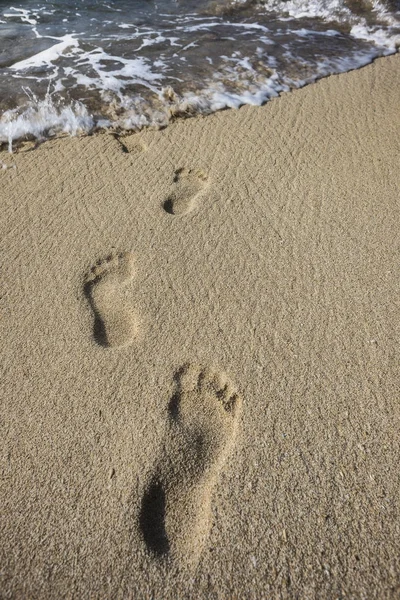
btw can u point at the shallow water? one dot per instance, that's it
(73, 66)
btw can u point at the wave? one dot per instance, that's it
(42, 119)
(82, 69)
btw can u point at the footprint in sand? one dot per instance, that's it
(186, 193)
(130, 144)
(114, 321)
(176, 508)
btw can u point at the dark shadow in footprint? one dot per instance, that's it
(99, 330)
(175, 516)
(169, 206)
(173, 406)
(152, 519)
(187, 186)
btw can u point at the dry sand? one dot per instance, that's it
(200, 357)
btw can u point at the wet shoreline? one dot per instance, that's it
(125, 70)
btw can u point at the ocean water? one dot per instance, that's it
(70, 66)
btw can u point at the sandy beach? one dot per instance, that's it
(200, 354)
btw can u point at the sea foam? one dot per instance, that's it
(90, 66)
(42, 119)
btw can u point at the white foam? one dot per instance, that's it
(46, 57)
(23, 14)
(299, 9)
(95, 64)
(131, 89)
(130, 71)
(346, 63)
(379, 37)
(205, 26)
(44, 119)
(331, 10)
(311, 32)
(383, 14)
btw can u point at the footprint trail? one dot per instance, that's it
(114, 321)
(175, 514)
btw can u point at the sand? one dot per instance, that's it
(200, 354)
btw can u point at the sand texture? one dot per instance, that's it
(199, 342)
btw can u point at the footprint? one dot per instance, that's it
(175, 514)
(114, 321)
(131, 144)
(185, 195)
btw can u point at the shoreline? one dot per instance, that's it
(75, 120)
(260, 247)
